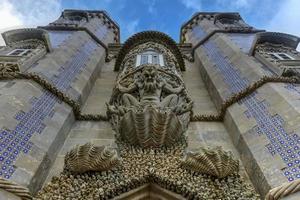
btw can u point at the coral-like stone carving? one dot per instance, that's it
(142, 166)
(152, 127)
(91, 158)
(215, 162)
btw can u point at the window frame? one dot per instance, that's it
(24, 51)
(149, 54)
(279, 57)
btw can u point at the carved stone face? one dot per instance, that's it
(150, 76)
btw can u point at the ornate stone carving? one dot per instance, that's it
(9, 67)
(149, 106)
(32, 38)
(147, 166)
(215, 162)
(28, 44)
(286, 68)
(148, 109)
(271, 47)
(91, 158)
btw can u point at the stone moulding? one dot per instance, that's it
(219, 16)
(194, 21)
(283, 190)
(89, 157)
(99, 117)
(17, 35)
(275, 38)
(242, 94)
(71, 13)
(15, 189)
(215, 162)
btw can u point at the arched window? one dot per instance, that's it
(149, 57)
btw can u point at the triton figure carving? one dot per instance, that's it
(150, 86)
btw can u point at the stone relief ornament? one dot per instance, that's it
(149, 106)
(215, 162)
(9, 67)
(89, 157)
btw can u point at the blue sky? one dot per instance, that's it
(163, 15)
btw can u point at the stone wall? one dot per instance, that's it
(262, 125)
(34, 123)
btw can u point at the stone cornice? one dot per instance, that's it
(222, 31)
(98, 13)
(69, 28)
(17, 35)
(275, 38)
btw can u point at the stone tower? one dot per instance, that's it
(215, 116)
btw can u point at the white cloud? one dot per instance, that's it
(287, 19)
(237, 4)
(151, 6)
(27, 13)
(195, 5)
(131, 27)
(9, 18)
(242, 3)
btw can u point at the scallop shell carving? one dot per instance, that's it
(151, 127)
(215, 162)
(88, 157)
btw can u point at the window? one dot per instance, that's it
(155, 59)
(75, 18)
(280, 56)
(149, 57)
(228, 21)
(144, 59)
(19, 52)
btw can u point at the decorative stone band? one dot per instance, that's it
(54, 90)
(283, 190)
(15, 189)
(242, 94)
(99, 117)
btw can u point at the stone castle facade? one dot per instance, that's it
(215, 116)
